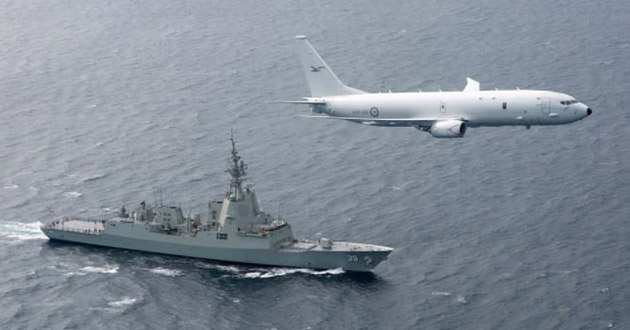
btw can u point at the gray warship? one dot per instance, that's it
(233, 230)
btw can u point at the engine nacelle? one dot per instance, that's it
(448, 129)
(318, 108)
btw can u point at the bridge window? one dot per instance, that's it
(222, 236)
(504, 105)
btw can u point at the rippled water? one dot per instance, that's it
(102, 102)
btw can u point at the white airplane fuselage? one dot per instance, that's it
(443, 114)
(482, 108)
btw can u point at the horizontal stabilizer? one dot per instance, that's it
(472, 86)
(315, 102)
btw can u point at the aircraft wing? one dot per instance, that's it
(424, 122)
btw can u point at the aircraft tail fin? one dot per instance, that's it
(321, 80)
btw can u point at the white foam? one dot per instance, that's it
(565, 272)
(251, 275)
(231, 269)
(274, 272)
(108, 269)
(125, 301)
(440, 293)
(461, 299)
(73, 194)
(166, 271)
(75, 274)
(19, 231)
(11, 186)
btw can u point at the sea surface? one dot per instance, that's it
(102, 102)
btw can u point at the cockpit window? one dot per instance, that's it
(569, 102)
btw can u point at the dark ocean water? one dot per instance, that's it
(103, 101)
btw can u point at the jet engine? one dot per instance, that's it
(448, 129)
(318, 108)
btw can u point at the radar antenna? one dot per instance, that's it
(237, 169)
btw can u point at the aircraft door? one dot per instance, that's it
(545, 105)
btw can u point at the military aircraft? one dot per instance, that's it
(443, 114)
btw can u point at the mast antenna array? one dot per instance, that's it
(237, 169)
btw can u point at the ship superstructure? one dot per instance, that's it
(234, 229)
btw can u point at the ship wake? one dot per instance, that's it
(275, 272)
(12, 231)
(107, 269)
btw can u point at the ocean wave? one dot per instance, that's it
(166, 271)
(124, 301)
(92, 178)
(108, 269)
(19, 231)
(73, 194)
(440, 293)
(11, 186)
(231, 269)
(274, 272)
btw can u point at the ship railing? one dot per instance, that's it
(83, 219)
(60, 225)
(89, 231)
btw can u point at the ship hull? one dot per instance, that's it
(348, 260)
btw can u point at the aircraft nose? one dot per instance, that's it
(589, 111)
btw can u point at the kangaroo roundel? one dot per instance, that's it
(374, 112)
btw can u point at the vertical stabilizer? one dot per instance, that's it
(321, 80)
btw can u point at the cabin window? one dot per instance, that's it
(214, 214)
(504, 105)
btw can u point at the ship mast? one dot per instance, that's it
(237, 169)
